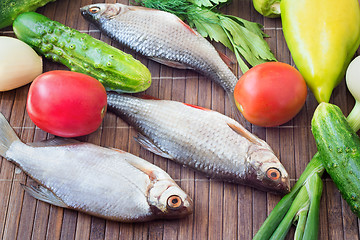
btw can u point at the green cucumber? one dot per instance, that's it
(339, 147)
(10, 9)
(116, 70)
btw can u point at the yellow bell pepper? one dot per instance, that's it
(323, 36)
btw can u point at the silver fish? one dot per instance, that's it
(202, 139)
(103, 182)
(161, 36)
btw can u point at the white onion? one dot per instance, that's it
(19, 63)
(353, 78)
(353, 84)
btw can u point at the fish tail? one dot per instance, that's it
(7, 135)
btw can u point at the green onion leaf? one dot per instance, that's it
(301, 221)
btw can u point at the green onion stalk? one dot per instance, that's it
(278, 223)
(244, 38)
(301, 205)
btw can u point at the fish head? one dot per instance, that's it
(267, 172)
(168, 200)
(102, 11)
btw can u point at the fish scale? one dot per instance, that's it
(48, 175)
(163, 37)
(103, 182)
(205, 140)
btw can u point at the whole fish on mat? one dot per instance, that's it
(103, 182)
(163, 37)
(202, 139)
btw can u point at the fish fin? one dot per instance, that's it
(112, 11)
(169, 63)
(148, 97)
(187, 26)
(197, 107)
(141, 165)
(245, 133)
(7, 135)
(147, 144)
(57, 141)
(118, 150)
(230, 63)
(43, 194)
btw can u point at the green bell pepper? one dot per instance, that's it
(268, 8)
(323, 36)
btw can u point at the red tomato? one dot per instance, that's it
(66, 104)
(270, 94)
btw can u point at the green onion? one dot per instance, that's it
(304, 207)
(301, 221)
(315, 186)
(278, 213)
(301, 201)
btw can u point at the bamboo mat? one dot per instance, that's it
(222, 210)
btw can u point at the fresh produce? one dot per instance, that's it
(82, 53)
(282, 212)
(322, 59)
(244, 38)
(66, 104)
(161, 36)
(19, 63)
(103, 182)
(270, 94)
(314, 167)
(322, 37)
(305, 209)
(339, 147)
(314, 186)
(202, 139)
(353, 84)
(268, 8)
(10, 9)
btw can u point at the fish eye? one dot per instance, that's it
(273, 173)
(174, 202)
(94, 9)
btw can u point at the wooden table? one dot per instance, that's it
(222, 210)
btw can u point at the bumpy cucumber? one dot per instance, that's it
(10, 9)
(339, 147)
(82, 53)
